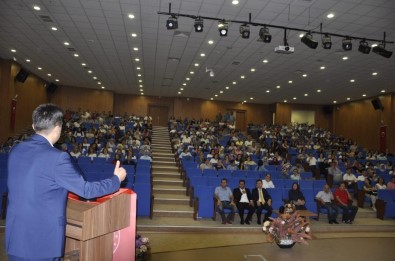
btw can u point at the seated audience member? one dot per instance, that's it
(214, 159)
(243, 200)
(363, 176)
(342, 199)
(262, 200)
(224, 198)
(260, 167)
(325, 197)
(267, 182)
(370, 192)
(130, 159)
(334, 171)
(296, 175)
(380, 184)
(206, 165)
(391, 183)
(350, 180)
(219, 165)
(185, 154)
(146, 156)
(104, 154)
(249, 161)
(75, 152)
(296, 197)
(312, 161)
(232, 165)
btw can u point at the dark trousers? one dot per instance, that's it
(332, 211)
(259, 209)
(226, 205)
(242, 206)
(349, 212)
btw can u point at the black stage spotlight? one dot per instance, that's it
(245, 31)
(347, 44)
(223, 28)
(265, 35)
(364, 47)
(198, 25)
(380, 50)
(307, 39)
(326, 41)
(172, 23)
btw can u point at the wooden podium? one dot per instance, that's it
(103, 230)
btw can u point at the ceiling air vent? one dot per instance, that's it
(71, 49)
(174, 59)
(46, 18)
(235, 63)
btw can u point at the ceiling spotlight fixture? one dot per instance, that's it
(172, 23)
(264, 34)
(223, 28)
(364, 47)
(244, 31)
(211, 71)
(198, 25)
(380, 50)
(326, 41)
(307, 39)
(347, 44)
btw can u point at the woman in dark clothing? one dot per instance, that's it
(296, 197)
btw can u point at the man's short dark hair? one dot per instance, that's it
(46, 117)
(242, 180)
(224, 179)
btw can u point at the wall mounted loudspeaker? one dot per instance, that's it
(21, 76)
(377, 105)
(51, 87)
(327, 110)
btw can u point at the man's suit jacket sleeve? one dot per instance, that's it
(266, 195)
(68, 177)
(254, 195)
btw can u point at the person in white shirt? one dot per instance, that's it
(350, 179)
(243, 200)
(325, 197)
(267, 182)
(312, 161)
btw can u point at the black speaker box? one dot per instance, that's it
(327, 109)
(51, 87)
(377, 105)
(21, 76)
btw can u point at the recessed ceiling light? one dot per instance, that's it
(56, 80)
(184, 84)
(138, 68)
(13, 50)
(235, 2)
(216, 95)
(134, 35)
(285, 101)
(137, 59)
(141, 86)
(221, 91)
(252, 69)
(36, 7)
(99, 83)
(242, 76)
(135, 49)
(278, 86)
(289, 81)
(348, 99)
(141, 90)
(304, 75)
(94, 78)
(202, 54)
(53, 28)
(187, 79)
(382, 91)
(28, 60)
(89, 71)
(211, 98)
(179, 92)
(181, 89)
(210, 42)
(103, 87)
(196, 64)
(142, 93)
(49, 74)
(334, 101)
(66, 43)
(227, 87)
(265, 61)
(245, 101)
(375, 73)
(251, 98)
(191, 72)
(318, 90)
(76, 55)
(352, 80)
(322, 67)
(234, 83)
(294, 98)
(267, 91)
(345, 58)
(363, 95)
(138, 75)
(306, 94)
(140, 80)
(330, 15)
(131, 16)
(39, 68)
(83, 64)
(301, 35)
(374, 45)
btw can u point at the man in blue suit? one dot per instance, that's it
(39, 178)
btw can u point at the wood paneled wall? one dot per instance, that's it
(139, 104)
(359, 121)
(284, 112)
(31, 93)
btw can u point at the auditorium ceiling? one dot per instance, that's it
(124, 46)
